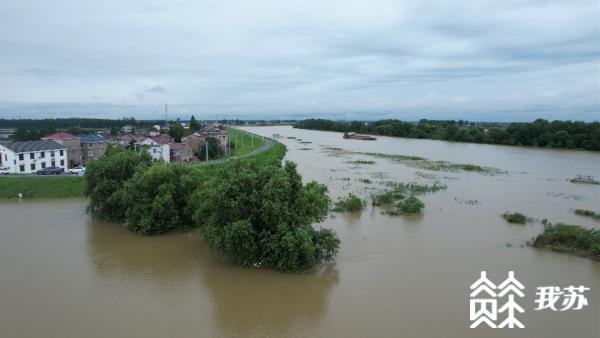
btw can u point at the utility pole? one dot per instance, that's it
(166, 110)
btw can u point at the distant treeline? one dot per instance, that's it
(541, 133)
(74, 122)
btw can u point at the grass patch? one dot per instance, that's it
(572, 239)
(588, 213)
(386, 198)
(41, 187)
(243, 142)
(515, 217)
(349, 203)
(304, 148)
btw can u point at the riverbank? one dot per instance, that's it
(540, 133)
(65, 187)
(41, 187)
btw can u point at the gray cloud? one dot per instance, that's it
(485, 60)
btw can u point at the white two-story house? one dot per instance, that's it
(159, 147)
(30, 156)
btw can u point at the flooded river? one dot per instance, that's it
(63, 274)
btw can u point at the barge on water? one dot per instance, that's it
(354, 136)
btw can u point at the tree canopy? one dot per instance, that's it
(105, 179)
(176, 131)
(262, 214)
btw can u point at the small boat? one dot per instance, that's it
(354, 136)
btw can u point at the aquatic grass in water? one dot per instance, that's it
(361, 162)
(588, 213)
(349, 203)
(515, 217)
(421, 162)
(409, 206)
(572, 239)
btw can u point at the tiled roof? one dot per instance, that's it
(162, 139)
(61, 135)
(27, 146)
(177, 146)
(90, 138)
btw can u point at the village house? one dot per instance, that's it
(195, 140)
(181, 153)
(159, 147)
(92, 147)
(73, 144)
(30, 156)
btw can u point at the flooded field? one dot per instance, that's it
(63, 274)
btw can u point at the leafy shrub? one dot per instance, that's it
(157, 199)
(411, 205)
(261, 215)
(570, 238)
(349, 203)
(515, 217)
(105, 178)
(386, 198)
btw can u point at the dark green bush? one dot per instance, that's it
(262, 215)
(515, 217)
(411, 205)
(157, 199)
(105, 179)
(571, 239)
(349, 203)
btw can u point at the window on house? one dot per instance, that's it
(31, 156)
(52, 154)
(32, 166)
(53, 163)
(62, 163)
(61, 153)
(43, 165)
(21, 168)
(21, 157)
(91, 153)
(42, 154)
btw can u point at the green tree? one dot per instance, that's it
(194, 125)
(105, 177)
(213, 149)
(258, 214)
(176, 131)
(114, 131)
(158, 199)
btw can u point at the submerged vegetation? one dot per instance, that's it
(408, 206)
(572, 239)
(259, 215)
(584, 180)
(349, 203)
(254, 212)
(588, 213)
(419, 162)
(515, 217)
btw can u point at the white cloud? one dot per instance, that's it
(493, 60)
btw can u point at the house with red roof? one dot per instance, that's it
(73, 144)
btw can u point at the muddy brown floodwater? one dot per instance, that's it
(63, 274)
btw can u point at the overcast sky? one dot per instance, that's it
(478, 60)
